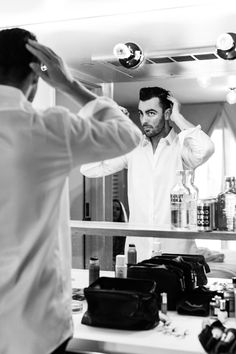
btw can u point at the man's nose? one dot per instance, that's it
(145, 118)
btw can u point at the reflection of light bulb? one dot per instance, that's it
(231, 96)
(121, 51)
(224, 42)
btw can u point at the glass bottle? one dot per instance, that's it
(189, 183)
(179, 203)
(132, 254)
(94, 269)
(226, 202)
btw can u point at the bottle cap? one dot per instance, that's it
(120, 260)
(164, 298)
(131, 245)
(93, 259)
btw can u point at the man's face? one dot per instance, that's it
(151, 116)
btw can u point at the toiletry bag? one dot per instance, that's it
(197, 262)
(121, 303)
(169, 278)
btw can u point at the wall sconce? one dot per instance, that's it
(225, 44)
(231, 96)
(130, 55)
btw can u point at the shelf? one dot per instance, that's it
(104, 228)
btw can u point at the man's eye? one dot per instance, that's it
(151, 114)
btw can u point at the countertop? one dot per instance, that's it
(152, 341)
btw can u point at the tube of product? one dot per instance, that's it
(164, 303)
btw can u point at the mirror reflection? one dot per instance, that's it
(187, 66)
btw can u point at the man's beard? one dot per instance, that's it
(152, 132)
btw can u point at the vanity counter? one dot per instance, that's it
(152, 341)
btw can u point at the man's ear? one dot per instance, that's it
(167, 113)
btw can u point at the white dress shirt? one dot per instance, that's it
(38, 150)
(151, 176)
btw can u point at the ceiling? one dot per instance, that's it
(84, 32)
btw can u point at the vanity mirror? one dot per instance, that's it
(178, 40)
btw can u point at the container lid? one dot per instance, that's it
(131, 245)
(164, 298)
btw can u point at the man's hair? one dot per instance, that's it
(14, 56)
(146, 93)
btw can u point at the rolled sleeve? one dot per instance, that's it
(196, 147)
(104, 168)
(100, 131)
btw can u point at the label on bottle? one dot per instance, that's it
(179, 211)
(230, 202)
(204, 217)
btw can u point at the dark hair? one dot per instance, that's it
(123, 216)
(146, 93)
(14, 56)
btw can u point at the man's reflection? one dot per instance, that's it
(152, 165)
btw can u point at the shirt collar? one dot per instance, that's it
(11, 96)
(168, 139)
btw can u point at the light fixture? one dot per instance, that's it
(130, 55)
(226, 46)
(231, 96)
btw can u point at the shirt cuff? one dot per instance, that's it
(96, 105)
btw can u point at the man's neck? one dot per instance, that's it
(155, 139)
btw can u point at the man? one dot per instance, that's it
(153, 164)
(38, 150)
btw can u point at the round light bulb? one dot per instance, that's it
(231, 96)
(121, 51)
(224, 42)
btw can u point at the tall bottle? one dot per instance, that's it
(179, 199)
(94, 269)
(193, 197)
(226, 203)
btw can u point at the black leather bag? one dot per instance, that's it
(198, 264)
(122, 303)
(168, 278)
(175, 274)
